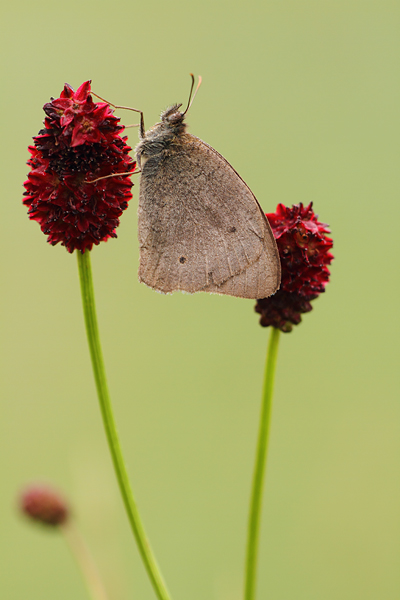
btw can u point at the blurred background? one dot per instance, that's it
(302, 99)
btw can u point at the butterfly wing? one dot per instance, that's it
(201, 228)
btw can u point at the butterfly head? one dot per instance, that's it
(159, 137)
(173, 116)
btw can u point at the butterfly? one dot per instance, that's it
(201, 229)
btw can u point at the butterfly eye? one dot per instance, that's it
(175, 117)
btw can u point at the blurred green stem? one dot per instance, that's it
(85, 274)
(85, 561)
(259, 468)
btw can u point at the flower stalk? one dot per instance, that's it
(85, 562)
(135, 521)
(45, 505)
(259, 468)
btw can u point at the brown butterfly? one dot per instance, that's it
(201, 228)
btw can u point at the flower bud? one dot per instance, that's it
(42, 503)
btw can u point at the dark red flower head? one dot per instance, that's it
(80, 142)
(41, 503)
(304, 252)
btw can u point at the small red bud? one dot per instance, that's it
(42, 503)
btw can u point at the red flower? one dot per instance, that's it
(80, 142)
(304, 251)
(41, 503)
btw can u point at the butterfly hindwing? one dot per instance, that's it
(201, 228)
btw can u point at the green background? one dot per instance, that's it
(303, 99)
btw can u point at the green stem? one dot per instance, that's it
(259, 468)
(85, 561)
(85, 274)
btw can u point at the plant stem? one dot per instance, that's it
(85, 561)
(259, 468)
(92, 331)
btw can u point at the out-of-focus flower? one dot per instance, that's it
(41, 503)
(80, 142)
(304, 252)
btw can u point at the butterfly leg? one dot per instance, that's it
(141, 126)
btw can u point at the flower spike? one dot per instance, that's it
(80, 143)
(304, 252)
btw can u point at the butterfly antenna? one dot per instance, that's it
(191, 98)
